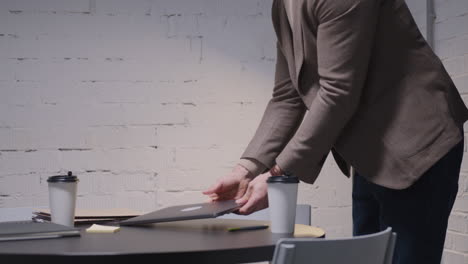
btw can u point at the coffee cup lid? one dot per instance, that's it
(283, 179)
(63, 178)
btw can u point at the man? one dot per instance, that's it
(356, 77)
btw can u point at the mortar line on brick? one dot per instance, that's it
(455, 252)
(50, 12)
(74, 149)
(18, 150)
(126, 103)
(149, 11)
(158, 124)
(116, 81)
(225, 23)
(457, 233)
(12, 35)
(92, 7)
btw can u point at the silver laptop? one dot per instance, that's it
(184, 212)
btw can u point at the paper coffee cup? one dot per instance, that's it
(62, 198)
(282, 200)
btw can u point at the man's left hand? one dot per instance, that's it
(256, 196)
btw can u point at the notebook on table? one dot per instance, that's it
(184, 212)
(21, 230)
(91, 216)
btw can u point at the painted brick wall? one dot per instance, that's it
(149, 101)
(451, 44)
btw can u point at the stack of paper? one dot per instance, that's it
(89, 216)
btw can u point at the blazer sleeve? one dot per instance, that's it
(281, 119)
(345, 34)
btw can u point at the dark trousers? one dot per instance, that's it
(418, 214)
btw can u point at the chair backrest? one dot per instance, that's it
(368, 249)
(302, 215)
(390, 249)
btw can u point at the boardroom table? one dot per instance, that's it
(192, 241)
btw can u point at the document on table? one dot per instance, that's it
(87, 216)
(21, 230)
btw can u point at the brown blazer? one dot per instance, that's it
(374, 90)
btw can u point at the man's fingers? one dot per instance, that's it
(255, 203)
(255, 199)
(221, 196)
(246, 196)
(213, 197)
(248, 201)
(213, 189)
(249, 207)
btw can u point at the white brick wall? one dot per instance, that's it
(149, 101)
(451, 44)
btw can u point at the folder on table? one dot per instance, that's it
(21, 230)
(91, 216)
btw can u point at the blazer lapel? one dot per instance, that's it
(298, 41)
(291, 44)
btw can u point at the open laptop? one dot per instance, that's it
(184, 212)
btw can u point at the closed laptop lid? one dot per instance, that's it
(184, 212)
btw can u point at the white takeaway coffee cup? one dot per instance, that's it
(282, 200)
(62, 198)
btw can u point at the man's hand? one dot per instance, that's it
(256, 197)
(251, 193)
(232, 186)
(276, 171)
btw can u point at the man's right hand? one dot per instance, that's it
(232, 186)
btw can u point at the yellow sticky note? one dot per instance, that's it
(308, 231)
(102, 229)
